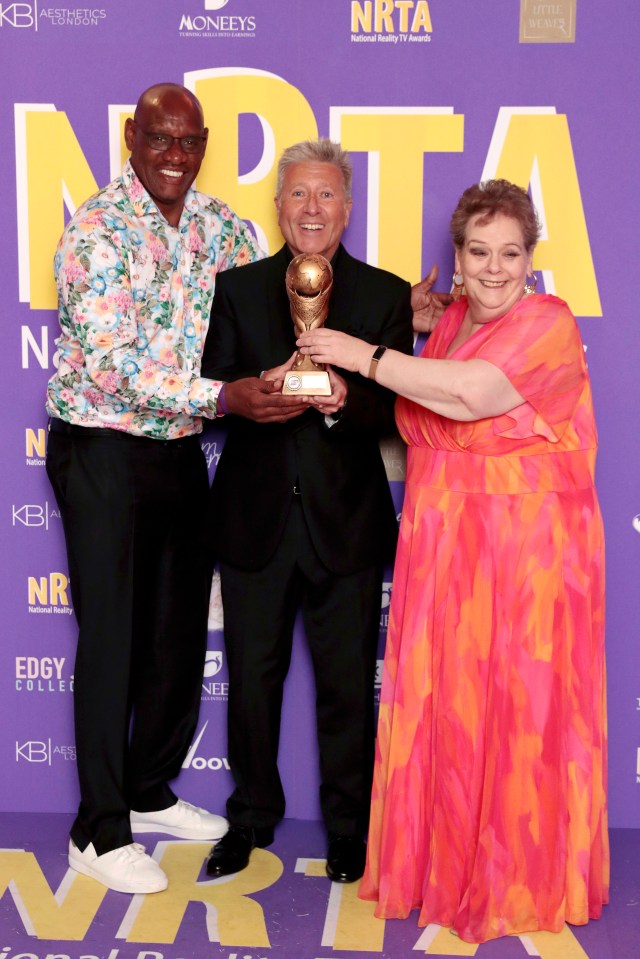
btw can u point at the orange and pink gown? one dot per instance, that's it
(489, 797)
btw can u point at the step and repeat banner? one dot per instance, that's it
(428, 97)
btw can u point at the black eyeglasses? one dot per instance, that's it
(162, 141)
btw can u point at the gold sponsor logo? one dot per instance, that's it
(48, 591)
(547, 22)
(391, 20)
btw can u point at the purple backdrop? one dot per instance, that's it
(429, 97)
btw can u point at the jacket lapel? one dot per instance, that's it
(345, 283)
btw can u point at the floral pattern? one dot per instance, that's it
(134, 296)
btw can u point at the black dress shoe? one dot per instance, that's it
(346, 858)
(231, 853)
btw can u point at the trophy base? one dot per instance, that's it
(307, 383)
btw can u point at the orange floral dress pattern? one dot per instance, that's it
(489, 797)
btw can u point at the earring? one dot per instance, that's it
(530, 285)
(457, 286)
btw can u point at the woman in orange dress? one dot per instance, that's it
(489, 799)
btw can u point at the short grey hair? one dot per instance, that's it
(322, 150)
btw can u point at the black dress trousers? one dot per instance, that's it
(341, 621)
(132, 511)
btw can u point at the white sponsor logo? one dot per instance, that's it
(31, 514)
(213, 662)
(213, 689)
(19, 15)
(73, 16)
(211, 452)
(198, 762)
(215, 24)
(37, 751)
(386, 595)
(42, 674)
(26, 15)
(34, 751)
(34, 667)
(384, 605)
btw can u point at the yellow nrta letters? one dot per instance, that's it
(55, 169)
(285, 117)
(541, 141)
(240, 920)
(50, 916)
(398, 139)
(532, 148)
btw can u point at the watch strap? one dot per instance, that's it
(375, 359)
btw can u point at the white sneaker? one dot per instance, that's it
(182, 820)
(126, 869)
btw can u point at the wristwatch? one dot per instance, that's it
(377, 356)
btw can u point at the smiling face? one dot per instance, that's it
(313, 211)
(167, 174)
(494, 264)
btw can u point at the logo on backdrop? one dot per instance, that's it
(214, 690)
(43, 751)
(390, 21)
(384, 622)
(35, 443)
(33, 515)
(194, 761)
(635, 522)
(27, 16)
(42, 674)
(49, 594)
(377, 683)
(384, 606)
(394, 457)
(547, 22)
(236, 24)
(212, 663)
(19, 15)
(211, 452)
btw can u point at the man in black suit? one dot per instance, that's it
(302, 518)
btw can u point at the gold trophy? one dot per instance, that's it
(309, 281)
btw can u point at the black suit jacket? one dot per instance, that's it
(339, 470)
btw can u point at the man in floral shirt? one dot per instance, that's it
(135, 270)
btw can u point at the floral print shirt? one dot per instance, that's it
(134, 295)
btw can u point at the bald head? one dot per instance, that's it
(167, 139)
(167, 97)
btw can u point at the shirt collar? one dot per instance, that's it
(142, 202)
